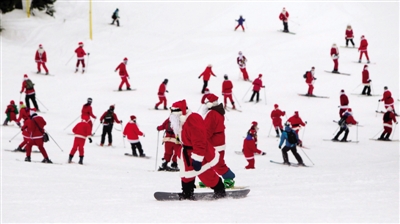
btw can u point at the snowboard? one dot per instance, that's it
(340, 73)
(227, 189)
(287, 32)
(200, 196)
(364, 95)
(370, 63)
(9, 150)
(348, 141)
(146, 157)
(375, 139)
(123, 90)
(313, 96)
(105, 145)
(43, 74)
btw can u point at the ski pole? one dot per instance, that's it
(70, 59)
(307, 156)
(42, 104)
(304, 131)
(372, 90)
(158, 136)
(294, 22)
(234, 96)
(357, 132)
(201, 105)
(14, 136)
(71, 123)
(270, 130)
(357, 87)
(87, 65)
(336, 130)
(246, 93)
(265, 96)
(54, 141)
(377, 133)
(96, 129)
(20, 95)
(376, 112)
(123, 139)
(394, 130)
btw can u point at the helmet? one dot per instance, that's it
(89, 100)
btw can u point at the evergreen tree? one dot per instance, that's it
(8, 5)
(42, 5)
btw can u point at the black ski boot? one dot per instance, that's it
(27, 159)
(277, 133)
(19, 149)
(70, 158)
(164, 166)
(81, 160)
(46, 160)
(187, 191)
(219, 190)
(174, 166)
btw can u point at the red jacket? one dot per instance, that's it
(207, 74)
(284, 17)
(107, 119)
(162, 89)
(11, 112)
(203, 99)
(80, 53)
(194, 134)
(166, 125)
(215, 127)
(87, 110)
(276, 115)
(40, 56)
(389, 122)
(27, 91)
(241, 61)
(350, 120)
(132, 132)
(334, 53)
(363, 45)
(344, 100)
(36, 127)
(82, 130)
(295, 121)
(349, 34)
(227, 87)
(257, 84)
(310, 77)
(122, 70)
(365, 76)
(387, 98)
(23, 114)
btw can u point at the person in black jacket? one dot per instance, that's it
(108, 119)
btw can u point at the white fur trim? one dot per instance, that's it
(40, 50)
(387, 125)
(344, 107)
(248, 158)
(80, 136)
(197, 157)
(220, 148)
(193, 173)
(133, 140)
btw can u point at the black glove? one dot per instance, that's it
(369, 80)
(279, 147)
(120, 121)
(379, 100)
(263, 154)
(88, 54)
(315, 78)
(166, 91)
(101, 122)
(90, 140)
(305, 122)
(199, 76)
(196, 165)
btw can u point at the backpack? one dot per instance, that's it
(342, 120)
(386, 117)
(291, 137)
(109, 118)
(305, 75)
(113, 16)
(29, 84)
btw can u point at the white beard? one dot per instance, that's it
(204, 110)
(176, 124)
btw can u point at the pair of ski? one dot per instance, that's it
(365, 95)
(338, 122)
(231, 109)
(291, 164)
(337, 73)
(39, 73)
(347, 141)
(34, 161)
(140, 157)
(313, 96)
(124, 90)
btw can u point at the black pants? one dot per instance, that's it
(33, 98)
(255, 93)
(138, 146)
(294, 151)
(285, 26)
(366, 90)
(114, 21)
(204, 86)
(106, 130)
(347, 42)
(346, 133)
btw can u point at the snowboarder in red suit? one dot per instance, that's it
(250, 146)
(276, 115)
(363, 48)
(388, 118)
(197, 157)
(349, 36)
(344, 103)
(257, 85)
(80, 54)
(35, 128)
(215, 127)
(240, 23)
(108, 119)
(82, 130)
(206, 76)
(310, 81)
(132, 133)
(284, 16)
(11, 113)
(366, 81)
(123, 74)
(349, 120)
(87, 111)
(23, 115)
(161, 95)
(171, 146)
(41, 59)
(296, 123)
(387, 98)
(241, 61)
(30, 93)
(227, 87)
(335, 57)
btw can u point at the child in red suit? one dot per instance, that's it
(250, 146)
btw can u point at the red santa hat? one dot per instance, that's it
(125, 59)
(133, 117)
(312, 68)
(40, 45)
(25, 76)
(80, 43)
(254, 123)
(207, 90)
(276, 106)
(179, 107)
(21, 103)
(362, 37)
(296, 113)
(260, 75)
(112, 107)
(212, 98)
(32, 111)
(12, 102)
(349, 110)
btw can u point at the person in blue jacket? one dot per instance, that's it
(240, 23)
(115, 17)
(292, 139)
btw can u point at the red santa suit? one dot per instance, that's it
(227, 87)
(41, 59)
(363, 48)
(123, 74)
(132, 132)
(387, 99)
(241, 61)
(276, 115)
(335, 57)
(388, 118)
(82, 130)
(161, 94)
(207, 73)
(349, 34)
(296, 122)
(12, 111)
(35, 129)
(80, 54)
(87, 111)
(250, 148)
(23, 112)
(171, 144)
(25, 134)
(24, 115)
(365, 76)
(196, 147)
(310, 81)
(344, 103)
(257, 84)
